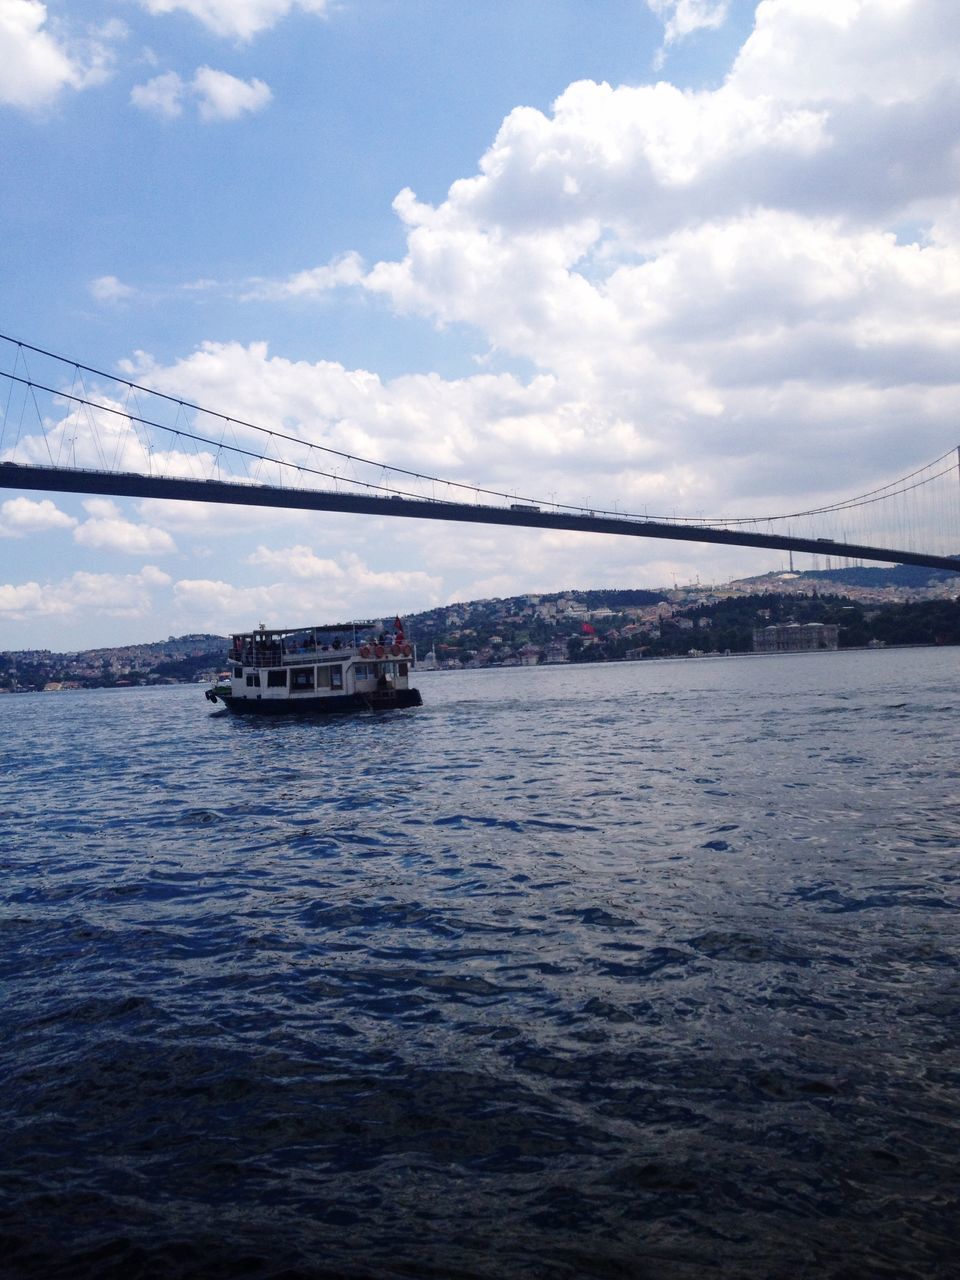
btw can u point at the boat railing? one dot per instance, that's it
(267, 656)
(259, 656)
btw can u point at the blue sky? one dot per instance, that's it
(692, 256)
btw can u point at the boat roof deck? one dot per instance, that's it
(278, 647)
(261, 634)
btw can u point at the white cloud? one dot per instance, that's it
(683, 17)
(113, 595)
(887, 51)
(354, 411)
(107, 530)
(35, 66)
(361, 591)
(218, 95)
(346, 269)
(101, 508)
(298, 562)
(224, 97)
(240, 19)
(213, 521)
(162, 96)
(302, 563)
(21, 516)
(109, 289)
(221, 607)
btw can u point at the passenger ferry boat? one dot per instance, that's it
(296, 670)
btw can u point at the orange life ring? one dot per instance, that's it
(407, 651)
(364, 651)
(395, 651)
(379, 650)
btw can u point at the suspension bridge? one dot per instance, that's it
(71, 428)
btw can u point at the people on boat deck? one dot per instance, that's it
(254, 649)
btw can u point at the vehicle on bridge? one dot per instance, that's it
(318, 670)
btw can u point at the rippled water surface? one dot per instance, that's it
(647, 970)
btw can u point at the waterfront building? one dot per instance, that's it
(795, 637)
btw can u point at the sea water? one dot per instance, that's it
(637, 970)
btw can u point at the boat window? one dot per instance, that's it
(336, 677)
(402, 668)
(253, 682)
(301, 677)
(238, 673)
(362, 671)
(276, 679)
(323, 677)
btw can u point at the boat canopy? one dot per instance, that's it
(270, 646)
(263, 635)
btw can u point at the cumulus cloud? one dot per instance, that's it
(35, 65)
(109, 289)
(212, 521)
(22, 516)
(224, 97)
(223, 606)
(683, 17)
(107, 529)
(239, 19)
(162, 96)
(354, 411)
(886, 51)
(218, 95)
(114, 595)
(303, 563)
(345, 269)
(298, 562)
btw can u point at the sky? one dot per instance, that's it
(692, 257)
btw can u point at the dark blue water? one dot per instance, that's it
(648, 970)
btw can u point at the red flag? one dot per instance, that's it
(398, 628)
(587, 630)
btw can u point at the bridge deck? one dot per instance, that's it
(133, 485)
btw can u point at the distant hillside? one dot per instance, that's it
(912, 576)
(600, 625)
(175, 660)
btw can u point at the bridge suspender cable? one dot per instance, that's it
(252, 426)
(882, 493)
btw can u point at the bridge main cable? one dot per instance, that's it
(892, 489)
(232, 420)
